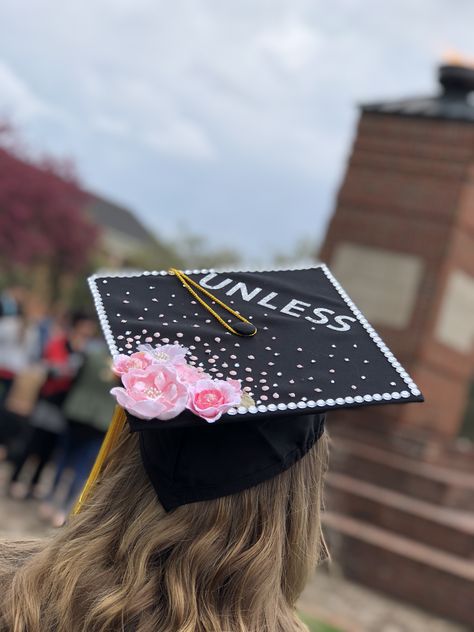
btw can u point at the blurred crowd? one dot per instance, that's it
(55, 404)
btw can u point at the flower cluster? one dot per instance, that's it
(158, 383)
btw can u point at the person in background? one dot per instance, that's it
(64, 354)
(56, 321)
(19, 343)
(87, 409)
(62, 358)
(19, 350)
(11, 299)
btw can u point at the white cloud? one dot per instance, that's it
(181, 138)
(17, 99)
(292, 45)
(111, 125)
(171, 105)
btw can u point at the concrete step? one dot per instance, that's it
(383, 435)
(408, 570)
(410, 442)
(459, 454)
(425, 481)
(447, 529)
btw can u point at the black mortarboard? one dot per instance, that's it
(306, 349)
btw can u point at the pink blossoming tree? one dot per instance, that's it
(42, 221)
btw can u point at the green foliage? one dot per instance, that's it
(189, 251)
(195, 252)
(317, 626)
(157, 256)
(305, 249)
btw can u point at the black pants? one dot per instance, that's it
(79, 446)
(41, 444)
(12, 429)
(8, 427)
(5, 386)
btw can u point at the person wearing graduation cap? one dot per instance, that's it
(202, 512)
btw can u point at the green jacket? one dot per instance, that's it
(89, 400)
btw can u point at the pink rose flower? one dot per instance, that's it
(209, 398)
(189, 374)
(152, 393)
(124, 363)
(166, 354)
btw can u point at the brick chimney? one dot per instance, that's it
(402, 242)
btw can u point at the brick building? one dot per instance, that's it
(401, 240)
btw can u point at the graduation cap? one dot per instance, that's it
(227, 376)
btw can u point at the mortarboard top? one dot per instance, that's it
(313, 348)
(312, 351)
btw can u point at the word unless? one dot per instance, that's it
(294, 307)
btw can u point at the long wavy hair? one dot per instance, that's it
(234, 564)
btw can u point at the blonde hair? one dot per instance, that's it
(234, 564)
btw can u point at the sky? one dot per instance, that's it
(229, 119)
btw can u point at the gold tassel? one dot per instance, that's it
(247, 329)
(110, 441)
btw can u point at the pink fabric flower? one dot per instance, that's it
(159, 384)
(152, 393)
(209, 398)
(124, 363)
(166, 354)
(189, 374)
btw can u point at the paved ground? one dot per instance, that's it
(353, 608)
(328, 597)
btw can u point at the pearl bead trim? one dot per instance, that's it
(262, 408)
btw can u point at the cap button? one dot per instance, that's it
(244, 329)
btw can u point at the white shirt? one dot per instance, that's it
(18, 346)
